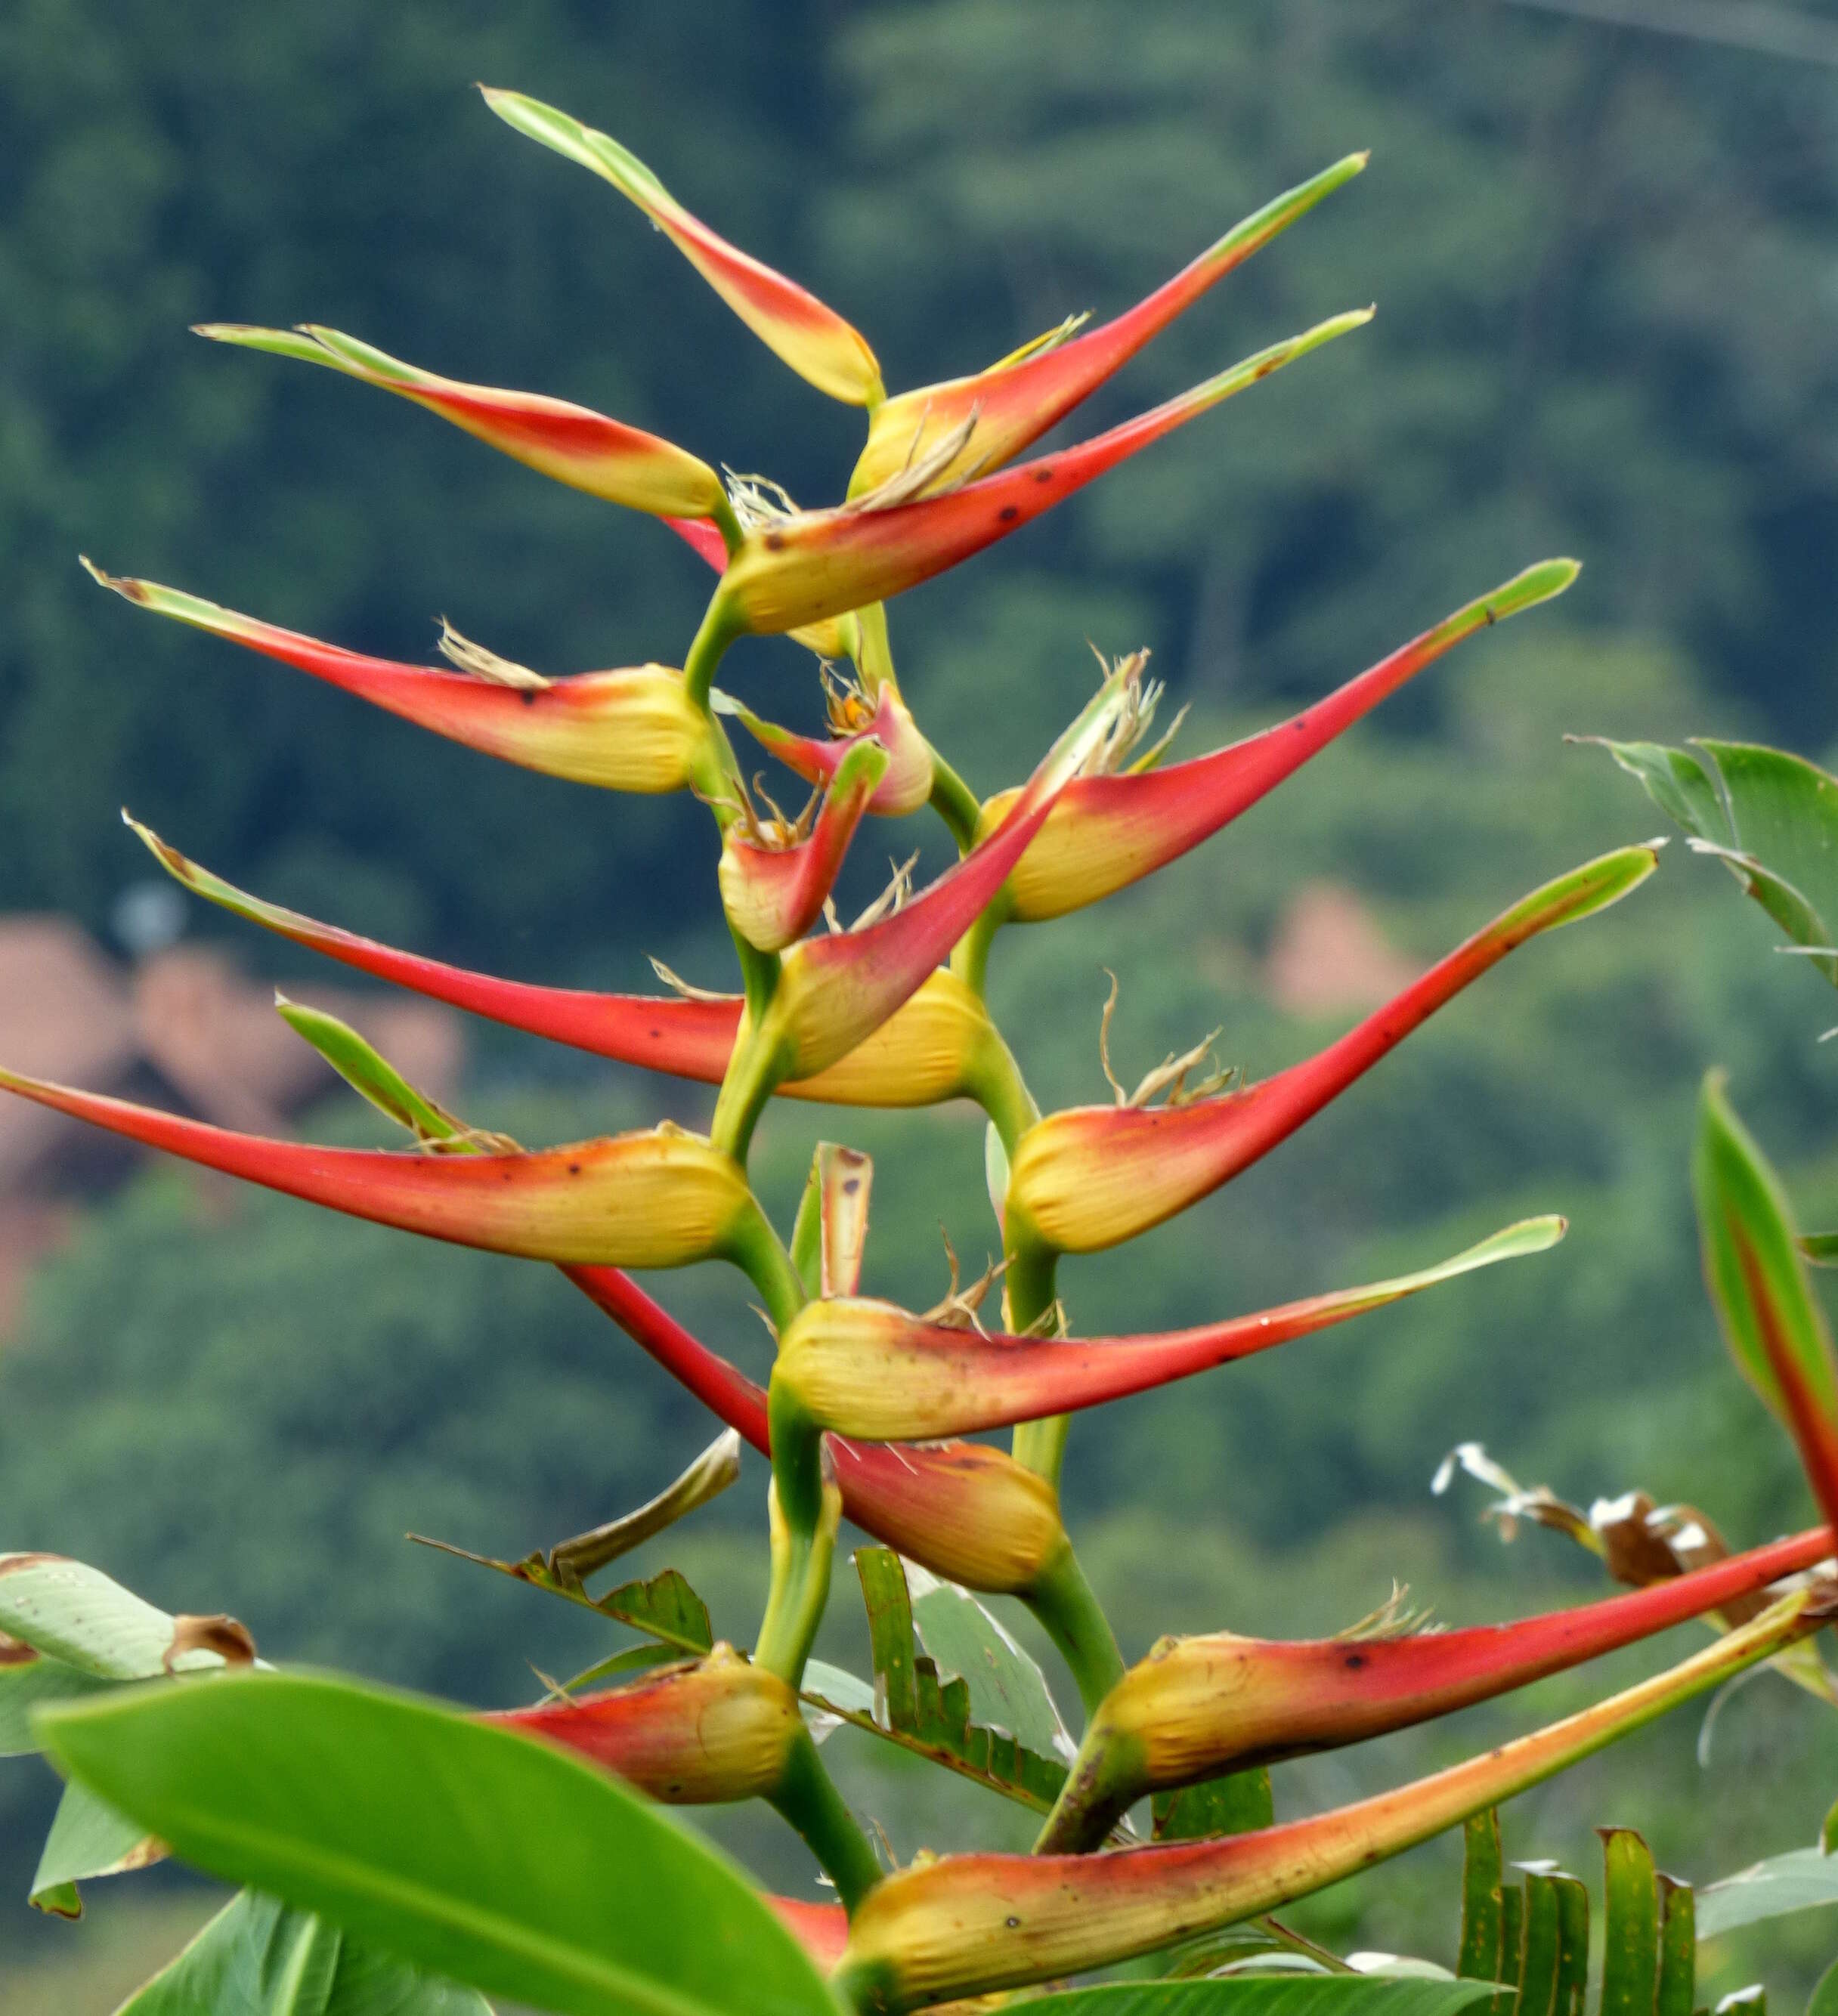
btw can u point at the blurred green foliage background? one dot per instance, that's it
(1606, 263)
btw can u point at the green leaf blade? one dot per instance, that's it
(260, 1957)
(1775, 1329)
(474, 1852)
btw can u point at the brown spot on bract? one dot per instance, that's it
(1008, 513)
(850, 1187)
(528, 697)
(11, 1564)
(1355, 1660)
(220, 1634)
(14, 1653)
(775, 542)
(1042, 475)
(574, 1168)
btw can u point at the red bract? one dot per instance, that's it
(1197, 1708)
(1088, 1178)
(1109, 831)
(631, 730)
(575, 446)
(799, 569)
(467, 1845)
(662, 1199)
(870, 1370)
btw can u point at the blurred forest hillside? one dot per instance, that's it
(1606, 265)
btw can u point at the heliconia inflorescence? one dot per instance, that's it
(869, 1405)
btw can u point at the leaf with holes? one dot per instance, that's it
(925, 1712)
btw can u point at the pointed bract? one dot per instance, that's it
(1015, 402)
(971, 1923)
(1775, 1329)
(657, 1199)
(572, 444)
(905, 787)
(1198, 1708)
(816, 341)
(635, 729)
(1107, 832)
(968, 1513)
(930, 1049)
(835, 991)
(796, 570)
(717, 1730)
(1089, 1177)
(868, 1369)
(774, 894)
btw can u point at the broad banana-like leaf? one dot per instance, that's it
(478, 1853)
(259, 1957)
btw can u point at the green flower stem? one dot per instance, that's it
(874, 656)
(728, 526)
(760, 1253)
(808, 1797)
(997, 1086)
(754, 1073)
(720, 627)
(1071, 1616)
(806, 1509)
(759, 976)
(970, 960)
(955, 803)
(1033, 1291)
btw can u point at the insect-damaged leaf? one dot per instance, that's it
(87, 1838)
(927, 1710)
(1482, 1885)
(1238, 1803)
(664, 1607)
(1630, 1947)
(260, 1957)
(66, 1630)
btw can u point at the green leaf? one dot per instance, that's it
(1007, 1690)
(1825, 1997)
(1775, 1329)
(932, 1716)
(1304, 1995)
(1677, 1995)
(1800, 1881)
(76, 1614)
(1771, 818)
(371, 1074)
(1482, 1880)
(1554, 1964)
(664, 1607)
(28, 1677)
(1240, 1802)
(260, 1957)
(468, 1850)
(1631, 1946)
(88, 1838)
(831, 1696)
